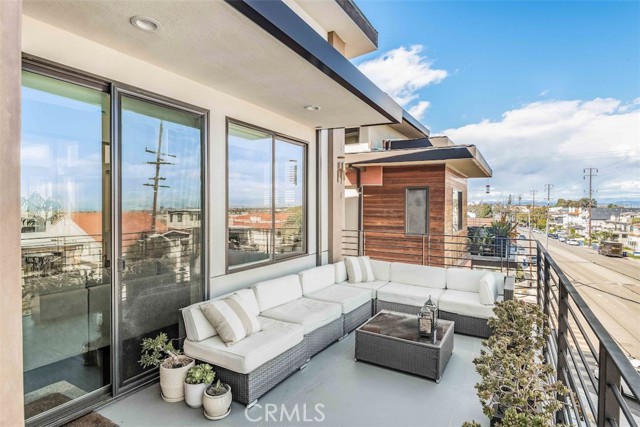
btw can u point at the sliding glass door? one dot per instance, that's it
(160, 219)
(112, 234)
(65, 228)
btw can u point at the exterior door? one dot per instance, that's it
(159, 227)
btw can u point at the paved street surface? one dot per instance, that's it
(610, 286)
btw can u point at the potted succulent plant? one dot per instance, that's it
(217, 401)
(198, 379)
(159, 351)
(502, 230)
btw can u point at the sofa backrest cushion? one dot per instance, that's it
(487, 289)
(341, 272)
(317, 278)
(275, 292)
(418, 275)
(468, 280)
(380, 269)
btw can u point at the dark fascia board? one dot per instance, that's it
(440, 154)
(415, 123)
(356, 15)
(277, 19)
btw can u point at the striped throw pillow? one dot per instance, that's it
(232, 321)
(359, 269)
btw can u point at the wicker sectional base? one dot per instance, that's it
(402, 308)
(468, 325)
(246, 388)
(321, 338)
(357, 317)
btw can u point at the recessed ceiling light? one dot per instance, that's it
(145, 23)
(312, 107)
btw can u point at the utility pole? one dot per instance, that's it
(591, 173)
(533, 205)
(548, 187)
(160, 160)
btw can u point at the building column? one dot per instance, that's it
(336, 194)
(11, 386)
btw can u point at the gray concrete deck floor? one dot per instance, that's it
(352, 394)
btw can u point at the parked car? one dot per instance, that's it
(561, 239)
(531, 259)
(611, 249)
(573, 242)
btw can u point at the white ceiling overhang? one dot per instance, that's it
(232, 48)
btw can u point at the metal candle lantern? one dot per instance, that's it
(428, 320)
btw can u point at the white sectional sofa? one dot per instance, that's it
(302, 314)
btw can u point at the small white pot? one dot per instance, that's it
(217, 407)
(193, 394)
(172, 381)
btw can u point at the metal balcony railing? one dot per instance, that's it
(605, 386)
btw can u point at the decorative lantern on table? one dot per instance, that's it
(428, 320)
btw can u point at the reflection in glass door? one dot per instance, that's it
(160, 221)
(65, 217)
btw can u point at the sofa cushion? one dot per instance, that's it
(273, 339)
(371, 286)
(231, 320)
(487, 290)
(418, 275)
(341, 272)
(380, 269)
(310, 313)
(349, 297)
(275, 292)
(468, 280)
(401, 293)
(465, 303)
(317, 278)
(359, 269)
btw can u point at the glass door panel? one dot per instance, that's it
(160, 224)
(66, 290)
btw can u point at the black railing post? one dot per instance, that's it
(547, 285)
(361, 248)
(608, 377)
(429, 249)
(423, 249)
(563, 323)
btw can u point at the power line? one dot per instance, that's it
(548, 187)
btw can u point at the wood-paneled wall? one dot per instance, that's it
(384, 216)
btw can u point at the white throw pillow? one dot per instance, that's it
(487, 289)
(359, 269)
(230, 318)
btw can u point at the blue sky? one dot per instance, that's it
(493, 65)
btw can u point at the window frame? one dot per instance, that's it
(273, 258)
(427, 213)
(456, 200)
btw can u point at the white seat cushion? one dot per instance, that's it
(273, 339)
(401, 293)
(349, 297)
(468, 280)
(310, 313)
(465, 303)
(275, 292)
(372, 286)
(317, 278)
(418, 275)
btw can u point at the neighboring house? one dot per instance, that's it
(411, 198)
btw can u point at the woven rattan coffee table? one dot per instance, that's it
(391, 339)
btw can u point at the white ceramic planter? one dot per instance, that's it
(193, 394)
(172, 382)
(217, 407)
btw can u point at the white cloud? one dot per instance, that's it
(419, 109)
(552, 141)
(402, 73)
(544, 92)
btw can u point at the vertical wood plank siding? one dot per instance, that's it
(384, 216)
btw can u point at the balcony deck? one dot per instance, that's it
(353, 394)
